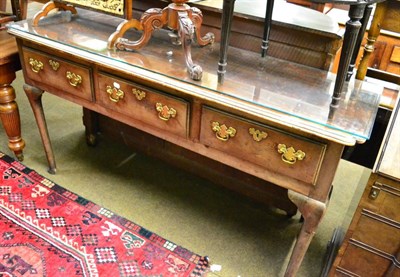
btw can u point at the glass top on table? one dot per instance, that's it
(272, 86)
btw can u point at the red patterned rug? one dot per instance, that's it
(46, 230)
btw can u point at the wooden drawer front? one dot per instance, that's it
(362, 262)
(66, 76)
(272, 152)
(387, 200)
(159, 110)
(395, 57)
(378, 233)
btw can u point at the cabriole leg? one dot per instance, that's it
(312, 212)
(35, 99)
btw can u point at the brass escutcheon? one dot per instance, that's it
(290, 155)
(164, 112)
(73, 79)
(55, 65)
(257, 134)
(222, 132)
(36, 65)
(140, 94)
(115, 94)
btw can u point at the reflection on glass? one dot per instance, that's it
(278, 85)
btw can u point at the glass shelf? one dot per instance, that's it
(267, 84)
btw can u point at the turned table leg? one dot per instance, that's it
(226, 25)
(267, 27)
(9, 113)
(227, 17)
(353, 26)
(35, 99)
(312, 212)
(373, 34)
(364, 23)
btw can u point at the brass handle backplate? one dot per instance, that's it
(36, 65)
(375, 190)
(290, 155)
(54, 65)
(139, 94)
(222, 132)
(73, 79)
(164, 112)
(257, 134)
(115, 93)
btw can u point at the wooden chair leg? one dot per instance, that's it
(373, 34)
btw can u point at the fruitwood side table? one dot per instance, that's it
(276, 130)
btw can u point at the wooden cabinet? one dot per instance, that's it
(386, 53)
(373, 239)
(372, 244)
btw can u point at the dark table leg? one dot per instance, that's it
(227, 17)
(267, 27)
(91, 122)
(364, 23)
(353, 26)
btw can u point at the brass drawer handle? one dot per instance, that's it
(55, 65)
(164, 112)
(74, 79)
(36, 65)
(257, 134)
(115, 93)
(140, 94)
(222, 132)
(290, 155)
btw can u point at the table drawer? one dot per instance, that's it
(57, 73)
(162, 111)
(273, 149)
